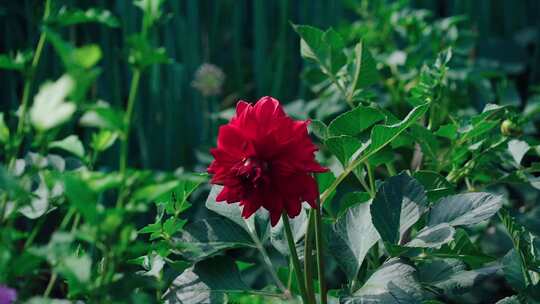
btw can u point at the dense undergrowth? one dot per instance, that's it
(432, 193)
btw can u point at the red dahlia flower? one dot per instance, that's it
(265, 159)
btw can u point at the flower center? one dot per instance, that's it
(252, 171)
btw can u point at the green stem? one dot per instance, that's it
(308, 257)
(127, 128)
(127, 119)
(34, 232)
(266, 259)
(319, 243)
(50, 285)
(294, 257)
(371, 180)
(67, 218)
(391, 169)
(348, 169)
(27, 89)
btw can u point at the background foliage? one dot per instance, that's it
(254, 45)
(426, 113)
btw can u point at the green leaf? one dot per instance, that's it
(393, 283)
(355, 121)
(509, 300)
(427, 140)
(298, 227)
(4, 130)
(435, 184)
(173, 225)
(157, 192)
(514, 270)
(86, 56)
(464, 249)
(351, 238)
(74, 58)
(433, 271)
(206, 282)
(81, 197)
(256, 226)
(382, 135)
(433, 236)
(208, 237)
(398, 204)
(69, 17)
(39, 202)
(103, 140)
(104, 117)
(449, 131)
(451, 276)
(462, 281)
(464, 209)
(325, 48)
(151, 9)
(77, 271)
(318, 128)
(232, 212)
(142, 54)
(351, 199)
(50, 108)
(518, 149)
(17, 63)
(363, 70)
(344, 147)
(71, 144)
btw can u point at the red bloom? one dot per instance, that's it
(265, 159)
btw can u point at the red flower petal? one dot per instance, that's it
(265, 159)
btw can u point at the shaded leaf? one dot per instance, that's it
(513, 270)
(464, 209)
(352, 237)
(518, 149)
(398, 204)
(433, 236)
(67, 17)
(393, 283)
(364, 69)
(205, 282)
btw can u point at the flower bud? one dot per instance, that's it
(208, 80)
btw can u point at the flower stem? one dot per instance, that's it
(50, 285)
(371, 180)
(320, 252)
(266, 259)
(308, 257)
(294, 257)
(127, 128)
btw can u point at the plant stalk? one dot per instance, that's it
(266, 259)
(29, 79)
(294, 258)
(127, 128)
(319, 243)
(308, 257)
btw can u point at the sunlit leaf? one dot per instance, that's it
(50, 109)
(71, 144)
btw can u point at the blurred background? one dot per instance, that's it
(230, 49)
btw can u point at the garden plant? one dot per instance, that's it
(407, 172)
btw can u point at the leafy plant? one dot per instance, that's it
(431, 194)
